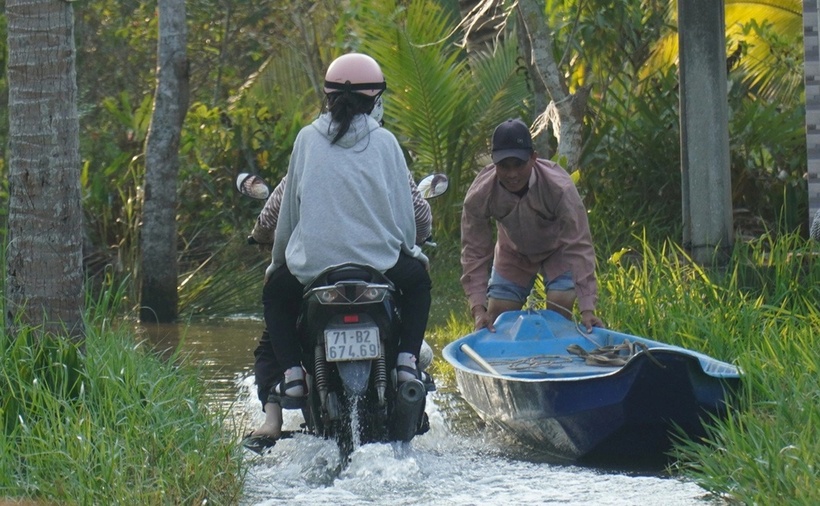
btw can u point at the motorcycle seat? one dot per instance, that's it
(349, 273)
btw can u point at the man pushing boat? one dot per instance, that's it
(542, 229)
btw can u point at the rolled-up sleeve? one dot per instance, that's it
(578, 251)
(476, 251)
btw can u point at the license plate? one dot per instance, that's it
(352, 342)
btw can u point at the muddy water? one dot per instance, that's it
(458, 462)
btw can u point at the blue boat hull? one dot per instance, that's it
(581, 413)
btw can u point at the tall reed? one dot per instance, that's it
(760, 312)
(112, 423)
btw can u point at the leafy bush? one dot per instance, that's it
(631, 167)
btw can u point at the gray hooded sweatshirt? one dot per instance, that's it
(344, 202)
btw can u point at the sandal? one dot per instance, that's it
(259, 444)
(278, 394)
(408, 370)
(429, 382)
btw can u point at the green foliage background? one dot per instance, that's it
(255, 75)
(256, 69)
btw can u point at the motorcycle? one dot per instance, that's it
(348, 327)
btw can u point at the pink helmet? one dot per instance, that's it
(355, 72)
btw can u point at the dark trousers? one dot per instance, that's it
(279, 348)
(266, 368)
(282, 300)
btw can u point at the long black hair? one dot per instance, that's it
(344, 106)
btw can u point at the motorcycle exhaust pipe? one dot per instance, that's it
(409, 409)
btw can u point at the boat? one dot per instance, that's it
(600, 398)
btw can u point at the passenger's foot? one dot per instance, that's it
(406, 368)
(272, 426)
(266, 435)
(291, 393)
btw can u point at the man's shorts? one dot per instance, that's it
(504, 289)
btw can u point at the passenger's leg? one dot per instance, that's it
(413, 283)
(282, 297)
(266, 369)
(267, 372)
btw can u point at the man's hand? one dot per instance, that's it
(482, 319)
(589, 320)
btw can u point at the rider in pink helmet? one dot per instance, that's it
(355, 72)
(347, 178)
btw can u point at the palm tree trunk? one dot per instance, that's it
(541, 133)
(44, 278)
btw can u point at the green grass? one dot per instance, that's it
(117, 424)
(111, 424)
(761, 313)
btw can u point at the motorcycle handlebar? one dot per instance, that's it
(427, 242)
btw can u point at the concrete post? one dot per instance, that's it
(811, 70)
(704, 122)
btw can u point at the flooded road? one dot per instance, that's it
(458, 462)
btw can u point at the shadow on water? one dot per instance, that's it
(461, 461)
(223, 348)
(653, 465)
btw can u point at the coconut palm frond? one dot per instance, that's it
(282, 79)
(441, 105)
(444, 104)
(767, 39)
(503, 87)
(766, 32)
(424, 75)
(663, 56)
(789, 7)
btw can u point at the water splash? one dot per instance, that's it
(355, 422)
(452, 464)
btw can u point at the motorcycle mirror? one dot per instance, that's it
(433, 185)
(252, 186)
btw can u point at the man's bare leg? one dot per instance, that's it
(561, 302)
(498, 306)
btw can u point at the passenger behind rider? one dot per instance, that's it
(266, 368)
(347, 199)
(542, 228)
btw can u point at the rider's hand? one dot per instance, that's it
(589, 320)
(481, 318)
(263, 247)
